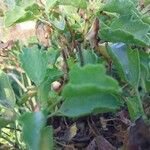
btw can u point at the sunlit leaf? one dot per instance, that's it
(28, 10)
(50, 4)
(32, 12)
(12, 16)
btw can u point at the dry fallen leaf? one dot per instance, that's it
(93, 33)
(70, 133)
(43, 32)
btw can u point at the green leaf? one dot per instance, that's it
(145, 70)
(4, 122)
(34, 131)
(32, 12)
(59, 23)
(32, 125)
(27, 3)
(12, 16)
(120, 6)
(94, 103)
(91, 76)
(75, 3)
(89, 90)
(28, 10)
(10, 3)
(53, 54)
(133, 108)
(50, 4)
(89, 57)
(45, 87)
(127, 29)
(6, 116)
(126, 61)
(6, 91)
(46, 142)
(35, 63)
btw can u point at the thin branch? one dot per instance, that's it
(66, 67)
(70, 30)
(64, 145)
(32, 100)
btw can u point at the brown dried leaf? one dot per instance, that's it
(43, 32)
(7, 45)
(93, 33)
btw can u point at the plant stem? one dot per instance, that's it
(17, 81)
(80, 55)
(55, 104)
(140, 103)
(71, 31)
(16, 136)
(32, 101)
(66, 67)
(52, 114)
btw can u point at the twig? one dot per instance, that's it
(70, 30)
(91, 127)
(64, 145)
(66, 67)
